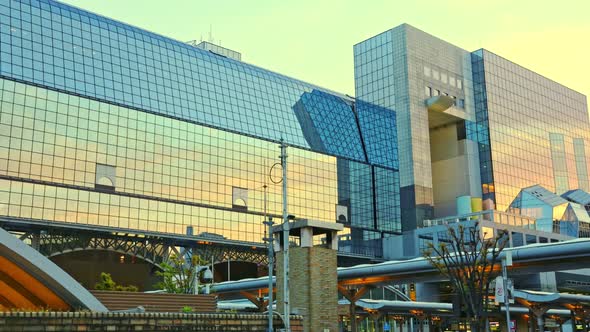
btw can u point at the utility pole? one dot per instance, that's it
(270, 241)
(270, 268)
(286, 305)
(506, 261)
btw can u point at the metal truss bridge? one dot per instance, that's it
(56, 238)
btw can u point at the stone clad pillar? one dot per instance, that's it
(313, 276)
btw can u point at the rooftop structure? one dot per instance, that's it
(217, 49)
(553, 213)
(522, 230)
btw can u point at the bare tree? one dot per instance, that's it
(469, 258)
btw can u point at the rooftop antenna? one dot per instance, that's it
(211, 33)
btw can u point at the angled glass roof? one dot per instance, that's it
(329, 125)
(545, 195)
(578, 196)
(576, 212)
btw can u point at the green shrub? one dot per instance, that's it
(132, 288)
(107, 283)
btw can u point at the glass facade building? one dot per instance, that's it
(400, 69)
(103, 123)
(471, 124)
(538, 131)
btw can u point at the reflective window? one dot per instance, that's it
(165, 174)
(180, 136)
(62, 47)
(531, 131)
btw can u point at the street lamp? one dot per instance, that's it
(285, 239)
(286, 295)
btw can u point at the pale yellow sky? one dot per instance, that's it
(312, 39)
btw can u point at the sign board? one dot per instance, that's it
(499, 293)
(386, 327)
(510, 290)
(495, 326)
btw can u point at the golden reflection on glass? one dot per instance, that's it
(527, 113)
(155, 157)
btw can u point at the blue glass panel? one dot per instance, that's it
(355, 190)
(471, 130)
(483, 133)
(387, 200)
(378, 128)
(329, 125)
(371, 194)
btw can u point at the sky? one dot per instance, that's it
(312, 39)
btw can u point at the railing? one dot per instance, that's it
(495, 216)
(358, 250)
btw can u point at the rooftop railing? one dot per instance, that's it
(495, 216)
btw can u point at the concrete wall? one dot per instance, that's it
(93, 321)
(448, 170)
(454, 170)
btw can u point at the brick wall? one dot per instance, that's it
(313, 283)
(93, 321)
